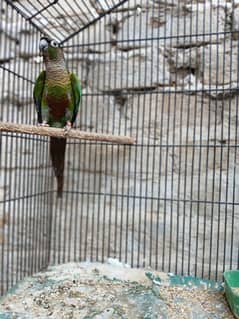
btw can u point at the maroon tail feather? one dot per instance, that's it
(57, 151)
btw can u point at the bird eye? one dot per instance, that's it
(54, 44)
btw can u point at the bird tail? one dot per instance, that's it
(57, 151)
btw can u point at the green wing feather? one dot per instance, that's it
(77, 94)
(38, 94)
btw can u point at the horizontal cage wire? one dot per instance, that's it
(162, 72)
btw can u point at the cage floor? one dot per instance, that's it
(113, 290)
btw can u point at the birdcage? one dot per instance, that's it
(162, 72)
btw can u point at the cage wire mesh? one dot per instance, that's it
(165, 72)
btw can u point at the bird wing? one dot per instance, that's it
(38, 94)
(77, 94)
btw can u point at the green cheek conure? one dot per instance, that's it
(57, 95)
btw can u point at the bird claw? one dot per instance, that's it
(44, 124)
(67, 127)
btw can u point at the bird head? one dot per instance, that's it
(50, 49)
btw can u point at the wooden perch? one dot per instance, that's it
(58, 132)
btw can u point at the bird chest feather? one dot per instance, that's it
(58, 95)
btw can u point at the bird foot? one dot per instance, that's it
(44, 124)
(67, 127)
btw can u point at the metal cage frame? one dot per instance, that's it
(170, 201)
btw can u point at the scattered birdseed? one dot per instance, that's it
(109, 291)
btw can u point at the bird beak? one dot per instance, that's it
(43, 44)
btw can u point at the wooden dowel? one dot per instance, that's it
(58, 132)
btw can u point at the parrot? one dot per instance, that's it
(57, 95)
